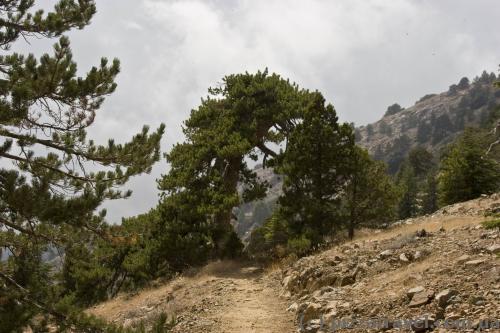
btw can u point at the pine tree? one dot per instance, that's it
(466, 171)
(430, 199)
(421, 160)
(315, 165)
(57, 177)
(236, 122)
(407, 182)
(369, 197)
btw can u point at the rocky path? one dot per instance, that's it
(240, 302)
(224, 297)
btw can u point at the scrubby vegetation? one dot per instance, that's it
(492, 224)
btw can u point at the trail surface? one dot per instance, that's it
(224, 297)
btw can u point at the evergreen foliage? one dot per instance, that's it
(393, 109)
(466, 172)
(58, 177)
(316, 167)
(369, 196)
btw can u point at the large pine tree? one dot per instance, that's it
(240, 120)
(53, 177)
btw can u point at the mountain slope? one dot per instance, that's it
(433, 122)
(451, 270)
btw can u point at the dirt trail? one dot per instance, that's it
(223, 297)
(254, 306)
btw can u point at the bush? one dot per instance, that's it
(393, 109)
(299, 246)
(492, 224)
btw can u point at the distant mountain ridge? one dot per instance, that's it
(433, 122)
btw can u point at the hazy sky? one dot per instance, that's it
(363, 55)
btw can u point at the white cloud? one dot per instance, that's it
(362, 54)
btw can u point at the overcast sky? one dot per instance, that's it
(363, 55)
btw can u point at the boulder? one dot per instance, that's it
(293, 307)
(404, 258)
(421, 298)
(414, 291)
(494, 249)
(444, 296)
(311, 311)
(385, 254)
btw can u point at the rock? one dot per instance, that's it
(346, 280)
(476, 262)
(293, 307)
(423, 324)
(286, 281)
(314, 326)
(403, 258)
(444, 296)
(463, 259)
(494, 249)
(311, 311)
(414, 291)
(252, 270)
(385, 254)
(421, 298)
(418, 255)
(323, 281)
(477, 300)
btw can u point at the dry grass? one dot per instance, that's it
(429, 224)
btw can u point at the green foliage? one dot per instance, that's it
(393, 109)
(430, 197)
(464, 83)
(408, 187)
(269, 241)
(398, 153)
(421, 160)
(492, 224)
(466, 172)
(442, 128)
(417, 184)
(315, 166)
(234, 123)
(369, 197)
(385, 129)
(49, 196)
(369, 130)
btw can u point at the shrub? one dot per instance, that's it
(492, 224)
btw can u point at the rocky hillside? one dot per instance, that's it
(441, 266)
(444, 266)
(433, 122)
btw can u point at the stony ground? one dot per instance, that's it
(444, 266)
(223, 297)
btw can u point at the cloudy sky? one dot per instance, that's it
(363, 55)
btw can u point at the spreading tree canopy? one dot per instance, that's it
(53, 177)
(242, 119)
